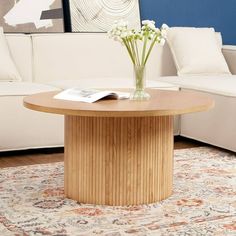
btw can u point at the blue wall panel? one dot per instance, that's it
(220, 14)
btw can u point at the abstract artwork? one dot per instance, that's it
(99, 15)
(27, 16)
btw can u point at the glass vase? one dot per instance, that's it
(140, 84)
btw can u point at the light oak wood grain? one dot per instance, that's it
(120, 152)
(162, 103)
(118, 161)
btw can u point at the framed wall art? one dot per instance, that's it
(29, 16)
(99, 15)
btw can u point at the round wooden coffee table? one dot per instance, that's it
(120, 152)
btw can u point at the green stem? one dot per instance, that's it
(137, 51)
(150, 49)
(129, 50)
(144, 50)
(133, 51)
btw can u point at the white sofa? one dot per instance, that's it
(217, 126)
(53, 61)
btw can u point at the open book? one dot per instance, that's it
(89, 95)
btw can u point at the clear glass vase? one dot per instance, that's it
(140, 84)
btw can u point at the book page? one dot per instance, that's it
(89, 95)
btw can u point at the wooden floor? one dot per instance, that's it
(42, 156)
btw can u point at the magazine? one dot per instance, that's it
(89, 95)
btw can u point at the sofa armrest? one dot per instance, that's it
(230, 57)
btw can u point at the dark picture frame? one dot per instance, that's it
(66, 14)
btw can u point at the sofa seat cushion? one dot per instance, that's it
(221, 85)
(108, 83)
(23, 88)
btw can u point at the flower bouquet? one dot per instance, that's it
(139, 45)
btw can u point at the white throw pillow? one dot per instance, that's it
(197, 51)
(8, 70)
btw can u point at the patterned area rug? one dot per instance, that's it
(203, 203)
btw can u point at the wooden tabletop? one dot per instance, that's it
(162, 103)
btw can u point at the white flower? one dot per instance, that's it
(165, 27)
(117, 33)
(123, 34)
(152, 26)
(140, 36)
(164, 33)
(143, 27)
(135, 40)
(157, 31)
(130, 34)
(151, 36)
(148, 22)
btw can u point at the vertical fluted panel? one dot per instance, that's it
(118, 161)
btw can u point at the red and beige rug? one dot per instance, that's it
(203, 203)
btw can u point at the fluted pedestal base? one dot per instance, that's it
(118, 161)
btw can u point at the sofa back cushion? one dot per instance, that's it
(74, 56)
(20, 47)
(197, 51)
(229, 52)
(80, 55)
(8, 69)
